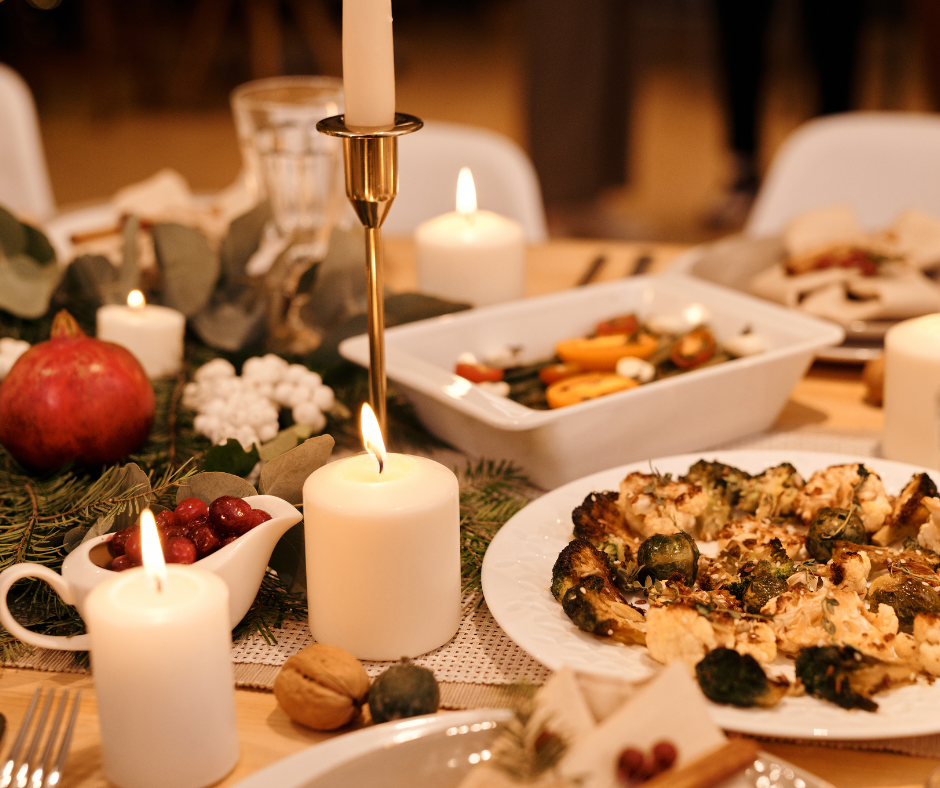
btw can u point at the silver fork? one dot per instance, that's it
(26, 770)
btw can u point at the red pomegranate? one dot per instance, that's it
(74, 397)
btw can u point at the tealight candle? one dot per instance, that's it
(368, 64)
(471, 255)
(161, 660)
(382, 538)
(912, 392)
(154, 334)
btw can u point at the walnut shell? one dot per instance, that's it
(322, 687)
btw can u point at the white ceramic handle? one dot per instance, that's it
(18, 571)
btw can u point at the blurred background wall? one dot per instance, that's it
(126, 87)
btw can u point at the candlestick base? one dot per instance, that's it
(371, 168)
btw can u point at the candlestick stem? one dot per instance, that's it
(371, 168)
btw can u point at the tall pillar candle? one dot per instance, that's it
(161, 659)
(368, 64)
(154, 334)
(912, 392)
(383, 555)
(471, 255)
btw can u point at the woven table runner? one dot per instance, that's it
(479, 665)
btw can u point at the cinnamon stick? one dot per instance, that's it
(710, 769)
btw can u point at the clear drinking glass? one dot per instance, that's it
(298, 170)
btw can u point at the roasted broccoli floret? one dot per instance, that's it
(906, 594)
(578, 560)
(722, 483)
(772, 493)
(848, 678)
(664, 555)
(908, 513)
(830, 525)
(600, 521)
(591, 606)
(726, 676)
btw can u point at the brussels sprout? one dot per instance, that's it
(663, 555)
(906, 594)
(726, 676)
(763, 585)
(831, 525)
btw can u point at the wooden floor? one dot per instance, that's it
(470, 68)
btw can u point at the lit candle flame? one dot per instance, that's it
(135, 299)
(466, 193)
(372, 435)
(154, 564)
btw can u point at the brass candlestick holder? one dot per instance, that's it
(371, 166)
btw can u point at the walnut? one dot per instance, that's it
(322, 687)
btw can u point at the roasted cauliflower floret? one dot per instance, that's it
(928, 536)
(909, 512)
(754, 537)
(842, 487)
(655, 504)
(850, 571)
(678, 632)
(927, 638)
(772, 493)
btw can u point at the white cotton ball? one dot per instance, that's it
(745, 345)
(324, 398)
(265, 389)
(192, 396)
(207, 425)
(247, 437)
(295, 373)
(467, 358)
(267, 430)
(309, 415)
(499, 387)
(275, 361)
(215, 369)
(311, 380)
(239, 417)
(226, 387)
(284, 392)
(255, 368)
(299, 396)
(637, 369)
(216, 407)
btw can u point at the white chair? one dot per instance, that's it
(879, 163)
(428, 164)
(24, 180)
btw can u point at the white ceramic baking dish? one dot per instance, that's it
(685, 413)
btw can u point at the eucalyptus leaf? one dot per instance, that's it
(189, 264)
(230, 457)
(289, 560)
(12, 234)
(74, 537)
(104, 525)
(284, 476)
(135, 482)
(129, 275)
(242, 241)
(90, 278)
(211, 485)
(231, 327)
(284, 441)
(26, 286)
(38, 246)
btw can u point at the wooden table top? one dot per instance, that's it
(828, 397)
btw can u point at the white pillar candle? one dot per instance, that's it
(470, 255)
(154, 334)
(912, 392)
(161, 661)
(383, 555)
(368, 64)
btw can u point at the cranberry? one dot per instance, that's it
(189, 509)
(171, 531)
(258, 516)
(230, 515)
(634, 767)
(121, 563)
(116, 543)
(664, 753)
(179, 550)
(165, 519)
(133, 547)
(227, 540)
(205, 540)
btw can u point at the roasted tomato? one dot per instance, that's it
(693, 349)
(555, 372)
(622, 324)
(479, 373)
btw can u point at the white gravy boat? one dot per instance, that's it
(240, 564)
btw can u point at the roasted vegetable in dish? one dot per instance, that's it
(908, 595)
(591, 606)
(909, 512)
(848, 678)
(726, 676)
(663, 555)
(830, 525)
(771, 493)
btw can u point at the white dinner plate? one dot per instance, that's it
(437, 751)
(517, 571)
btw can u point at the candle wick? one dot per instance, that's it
(159, 582)
(377, 454)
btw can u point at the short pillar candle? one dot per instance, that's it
(154, 334)
(912, 392)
